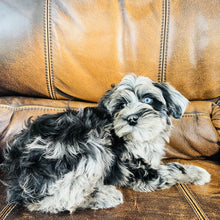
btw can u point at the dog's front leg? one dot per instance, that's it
(173, 173)
(146, 179)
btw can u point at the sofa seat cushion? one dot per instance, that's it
(196, 135)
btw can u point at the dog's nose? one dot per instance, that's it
(132, 119)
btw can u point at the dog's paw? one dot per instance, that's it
(198, 175)
(106, 197)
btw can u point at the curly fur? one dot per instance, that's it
(75, 159)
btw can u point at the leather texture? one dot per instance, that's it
(56, 54)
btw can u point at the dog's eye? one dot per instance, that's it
(148, 100)
(121, 105)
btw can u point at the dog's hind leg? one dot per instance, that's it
(105, 196)
(73, 190)
(66, 194)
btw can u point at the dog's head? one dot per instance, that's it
(141, 108)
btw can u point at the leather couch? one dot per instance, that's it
(56, 54)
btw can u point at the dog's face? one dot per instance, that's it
(141, 108)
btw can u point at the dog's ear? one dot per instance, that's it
(104, 101)
(176, 102)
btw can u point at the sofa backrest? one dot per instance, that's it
(65, 49)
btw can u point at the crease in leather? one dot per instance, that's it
(72, 98)
(5, 130)
(48, 49)
(164, 41)
(192, 202)
(6, 211)
(215, 157)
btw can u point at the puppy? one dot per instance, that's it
(74, 159)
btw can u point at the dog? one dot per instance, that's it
(76, 159)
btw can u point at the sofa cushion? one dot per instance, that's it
(194, 136)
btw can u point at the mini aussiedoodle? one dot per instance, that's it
(74, 159)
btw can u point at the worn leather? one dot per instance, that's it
(56, 54)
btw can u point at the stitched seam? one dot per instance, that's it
(48, 49)
(196, 200)
(6, 211)
(33, 108)
(164, 41)
(188, 200)
(161, 43)
(192, 202)
(166, 31)
(51, 49)
(45, 48)
(189, 115)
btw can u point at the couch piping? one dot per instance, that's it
(192, 202)
(164, 41)
(48, 49)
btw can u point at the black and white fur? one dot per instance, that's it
(74, 159)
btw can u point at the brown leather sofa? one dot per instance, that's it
(56, 54)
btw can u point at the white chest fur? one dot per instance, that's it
(152, 152)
